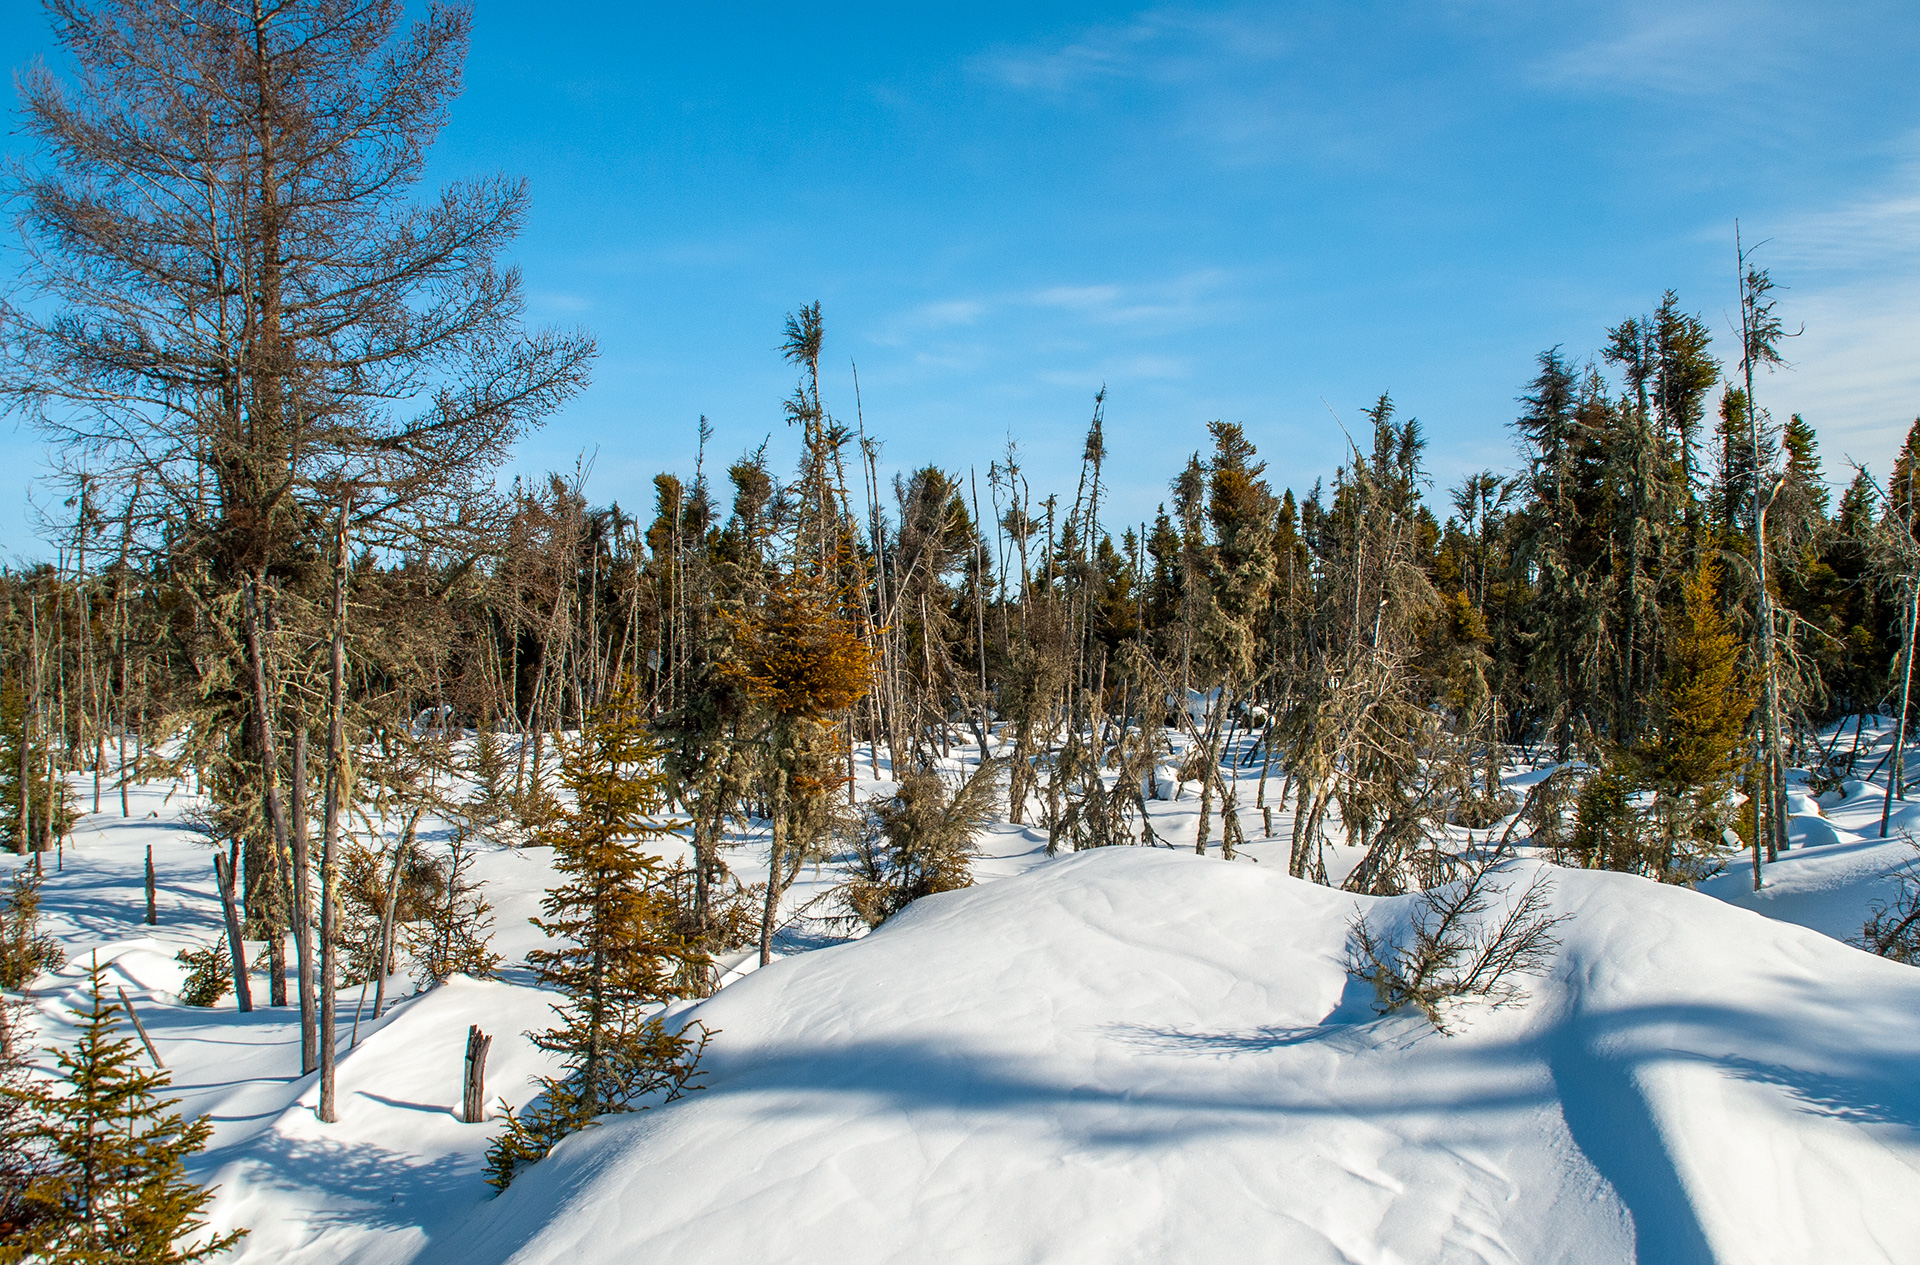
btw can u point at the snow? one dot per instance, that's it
(1137, 1055)
(1130, 1054)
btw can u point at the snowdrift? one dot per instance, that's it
(1133, 1055)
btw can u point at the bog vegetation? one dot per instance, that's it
(280, 378)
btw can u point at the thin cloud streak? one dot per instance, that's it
(1066, 334)
(1850, 279)
(1689, 51)
(1163, 46)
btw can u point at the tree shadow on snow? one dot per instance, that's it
(1594, 1061)
(1351, 1026)
(357, 1184)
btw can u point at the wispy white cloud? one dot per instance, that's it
(1142, 308)
(952, 312)
(1850, 274)
(1698, 49)
(1118, 370)
(559, 301)
(916, 323)
(1072, 335)
(1192, 298)
(1163, 45)
(1215, 82)
(1082, 298)
(1867, 234)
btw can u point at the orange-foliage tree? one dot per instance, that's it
(806, 660)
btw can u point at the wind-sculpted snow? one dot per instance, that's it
(1133, 1055)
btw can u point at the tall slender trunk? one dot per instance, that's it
(980, 615)
(389, 918)
(776, 860)
(23, 840)
(706, 824)
(1206, 797)
(1896, 759)
(120, 659)
(330, 828)
(1776, 828)
(302, 910)
(223, 874)
(272, 888)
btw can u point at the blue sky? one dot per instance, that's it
(1267, 214)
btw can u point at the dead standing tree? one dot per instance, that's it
(232, 301)
(1361, 728)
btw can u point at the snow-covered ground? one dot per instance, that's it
(1129, 1054)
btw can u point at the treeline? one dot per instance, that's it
(1397, 655)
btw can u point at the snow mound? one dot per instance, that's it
(1829, 880)
(1132, 1055)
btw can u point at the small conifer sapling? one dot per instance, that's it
(117, 1189)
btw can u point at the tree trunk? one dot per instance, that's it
(153, 919)
(120, 606)
(1776, 826)
(29, 703)
(140, 1029)
(273, 887)
(776, 862)
(330, 828)
(387, 919)
(236, 947)
(1910, 607)
(303, 903)
(1206, 810)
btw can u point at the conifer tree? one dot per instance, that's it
(1857, 675)
(1683, 374)
(617, 950)
(1729, 503)
(458, 918)
(118, 1191)
(25, 950)
(805, 660)
(1695, 759)
(1901, 492)
(1551, 644)
(922, 842)
(25, 1158)
(25, 769)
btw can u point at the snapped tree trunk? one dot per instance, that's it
(140, 1029)
(473, 1093)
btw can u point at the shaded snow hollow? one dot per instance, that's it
(1135, 1055)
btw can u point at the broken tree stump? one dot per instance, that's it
(473, 1098)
